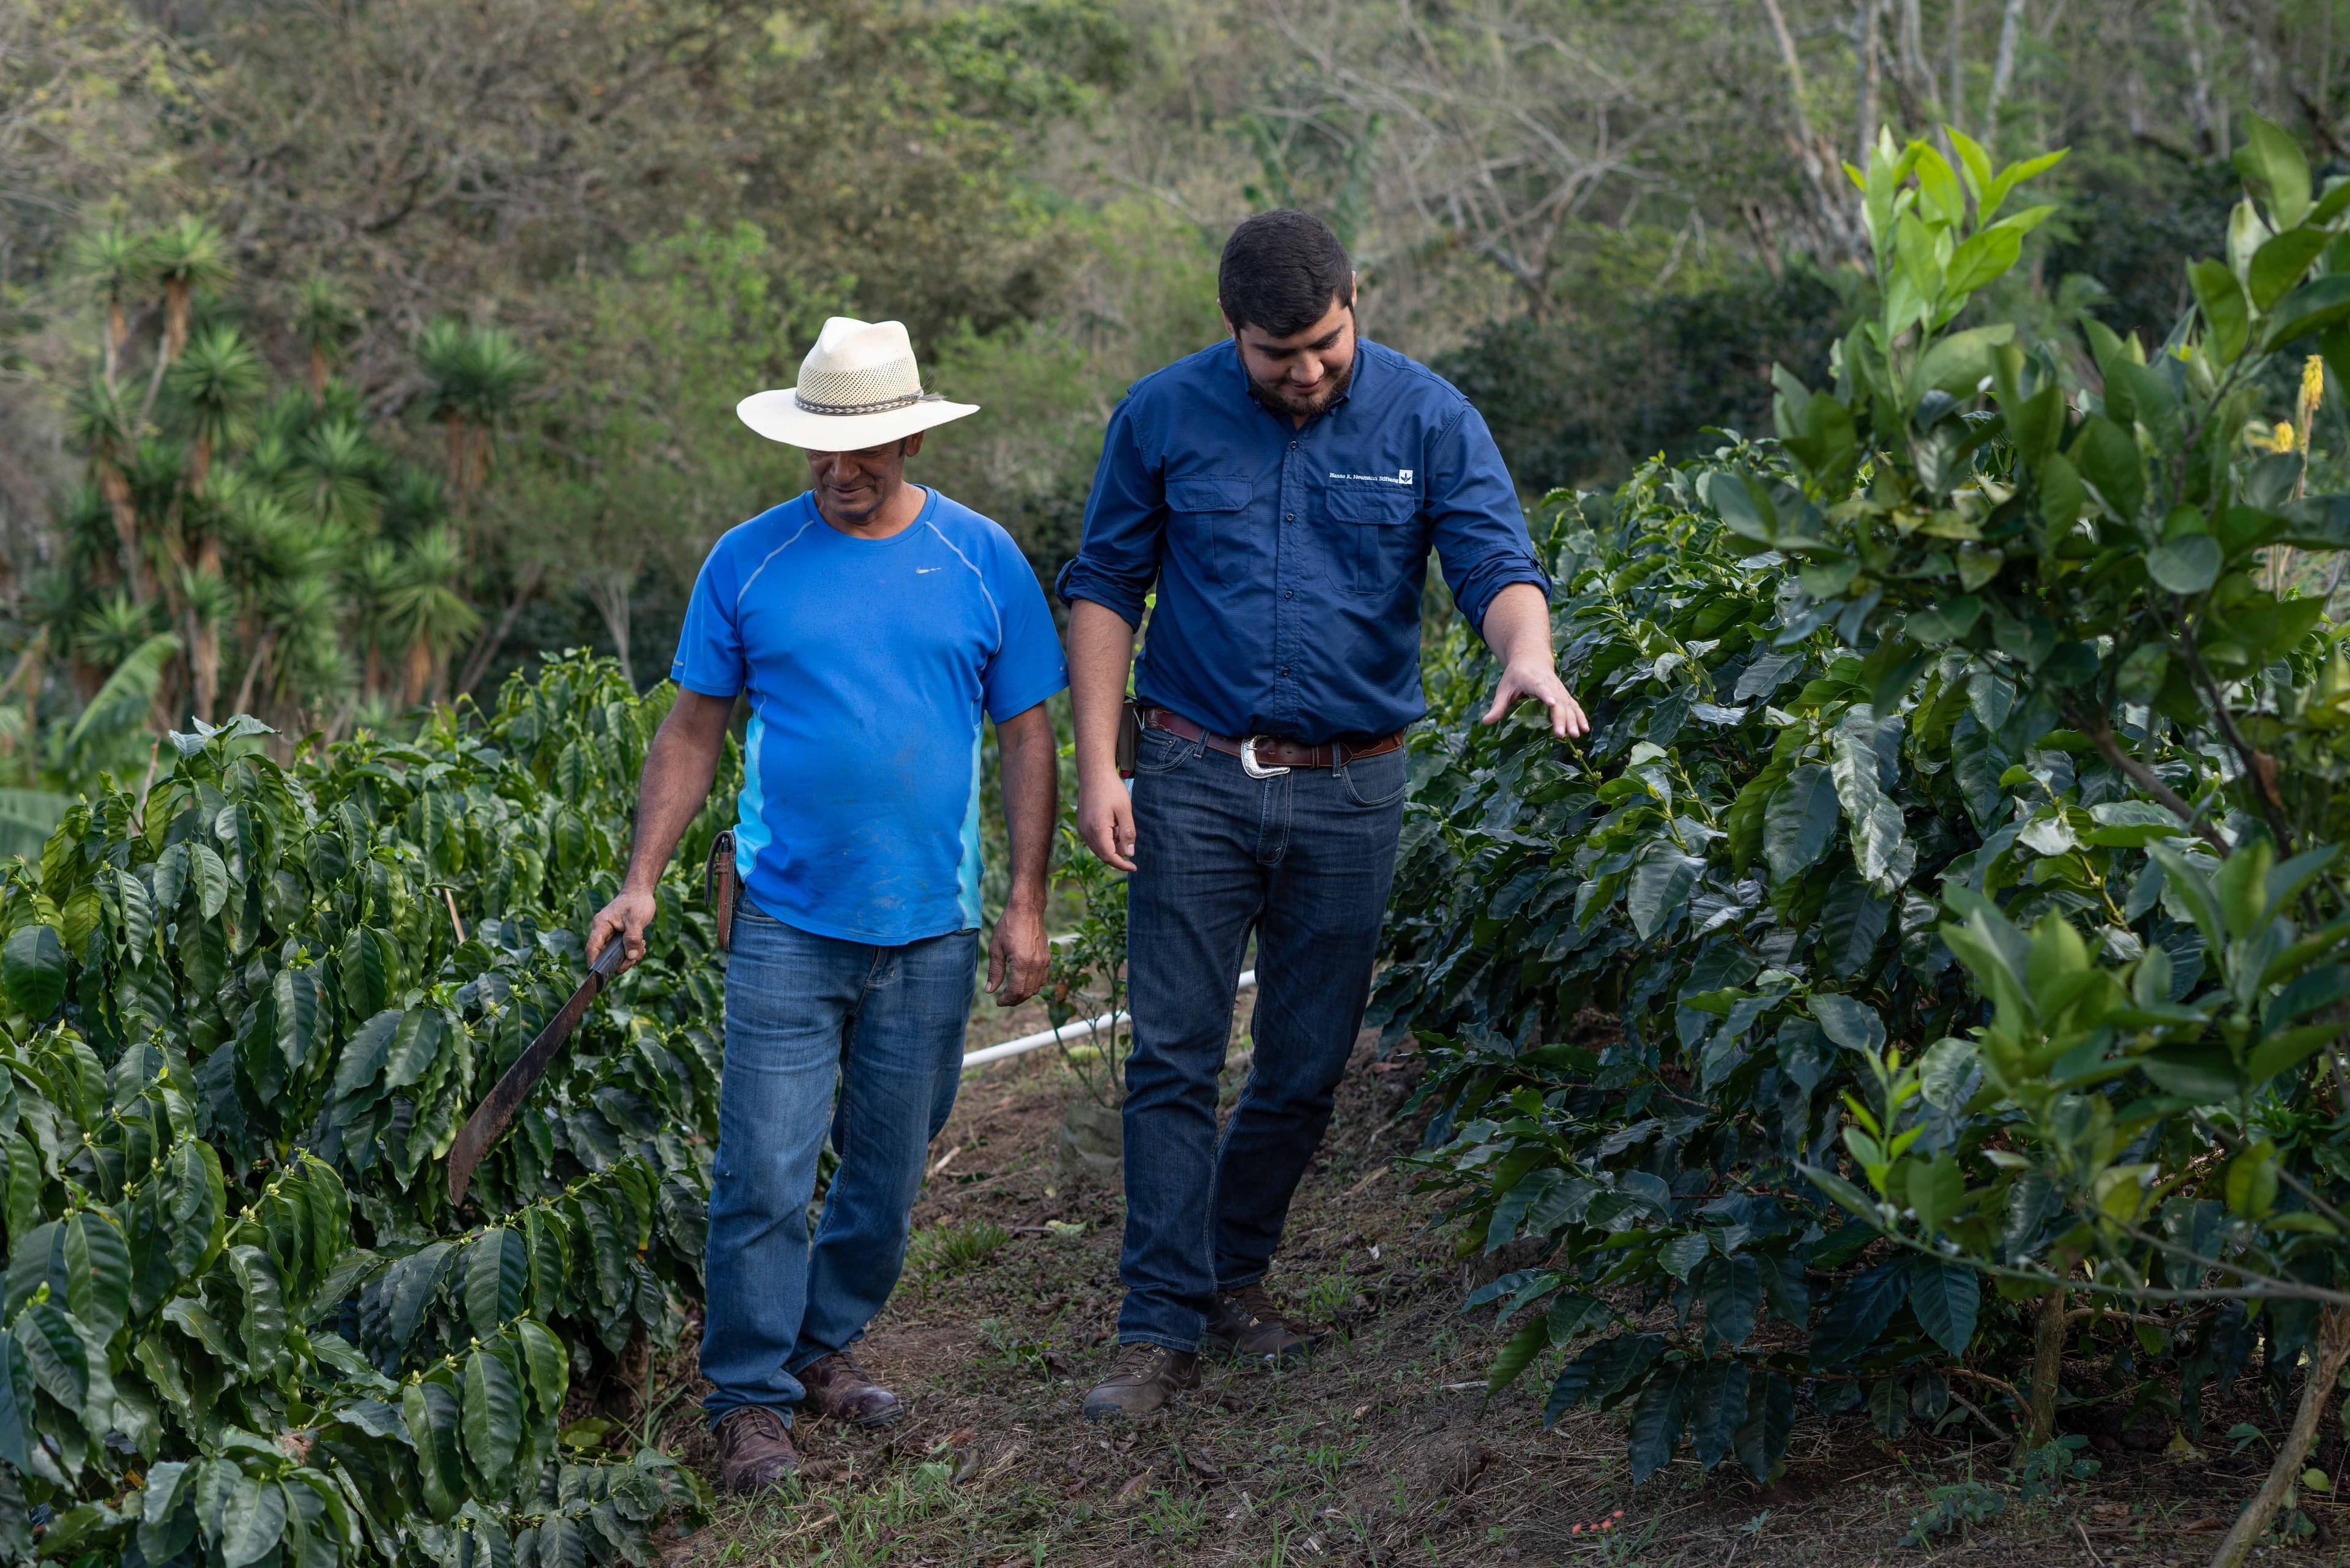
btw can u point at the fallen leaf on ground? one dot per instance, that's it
(1141, 1479)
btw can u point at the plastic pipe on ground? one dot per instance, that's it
(1069, 1031)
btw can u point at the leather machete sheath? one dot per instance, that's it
(491, 1117)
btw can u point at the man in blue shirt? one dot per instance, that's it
(1281, 491)
(873, 625)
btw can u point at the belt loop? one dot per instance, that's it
(1337, 756)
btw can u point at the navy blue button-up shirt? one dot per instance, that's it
(1290, 560)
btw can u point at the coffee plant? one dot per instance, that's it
(1980, 658)
(243, 1019)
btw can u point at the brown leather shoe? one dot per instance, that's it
(1140, 1382)
(754, 1450)
(1247, 1325)
(837, 1387)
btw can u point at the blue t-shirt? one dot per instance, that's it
(869, 663)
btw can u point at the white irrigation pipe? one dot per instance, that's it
(1068, 1030)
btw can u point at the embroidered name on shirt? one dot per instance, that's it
(1400, 476)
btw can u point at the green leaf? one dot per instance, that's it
(414, 1044)
(33, 967)
(1761, 1443)
(430, 1412)
(98, 1290)
(296, 994)
(1657, 1421)
(54, 1354)
(2271, 163)
(1983, 258)
(2013, 175)
(167, 1521)
(2283, 261)
(492, 1418)
(1937, 1188)
(209, 878)
(1958, 364)
(1945, 1296)
(1800, 821)
(1946, 622)
(2189, 565)
(1858, 1314)
(1731, 1289)
(251, 1523)
(1850, 1021)
(497, 1279)
(549, 1368)
(2320, 302)
(1683, 1253)
(2224, 309)
(1660, 884)
(1520, 1348)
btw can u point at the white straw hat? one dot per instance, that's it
(859, 388)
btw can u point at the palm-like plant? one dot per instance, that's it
(102, 428)
(413, 501)
(478, 373)
(188, 255)
(324, 321)
(112, 630)
(221, 380)
(117, 265)
(334, 475)
(429, 611)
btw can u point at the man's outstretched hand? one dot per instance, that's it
(625, 918)
(1539, 682)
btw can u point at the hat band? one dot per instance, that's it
(850, 410)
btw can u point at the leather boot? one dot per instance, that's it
(1247, 1325)
(837, 1387)
(754, 1450)
(1140, 1382)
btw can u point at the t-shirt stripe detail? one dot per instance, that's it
(769, 557)
(975, 572)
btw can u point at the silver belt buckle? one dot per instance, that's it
(1251, 766)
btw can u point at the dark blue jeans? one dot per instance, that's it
(1305, 860)
(806, 1014)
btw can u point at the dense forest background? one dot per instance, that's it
(355, 353)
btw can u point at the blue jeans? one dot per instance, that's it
(806, 1013)
(1305, 860)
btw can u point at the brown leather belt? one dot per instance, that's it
(1260, 753)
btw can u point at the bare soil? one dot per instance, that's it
(1385, 1450)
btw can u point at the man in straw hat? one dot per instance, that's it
(1282, 490)
(870, 623)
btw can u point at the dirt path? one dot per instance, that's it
(1384, 1451)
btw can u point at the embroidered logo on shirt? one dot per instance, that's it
(920, 570)
(1400, 476)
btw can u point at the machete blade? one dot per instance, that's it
(491, 1117)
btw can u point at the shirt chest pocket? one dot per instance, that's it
(1204, 514)
(1374, 531)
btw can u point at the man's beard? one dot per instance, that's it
(1274, 394)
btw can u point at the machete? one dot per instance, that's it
(491, 1116)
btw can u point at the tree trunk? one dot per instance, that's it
(317, 378)
(177, 292)
(261, 651)
(420, 671)
(1866, 114)
(205, 638)
(2002, 70)
(2047, 1369)
(2326, 1361)
(118, 332)
(116, 488)
(1958, 102)
(457, 464)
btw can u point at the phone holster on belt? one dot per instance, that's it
(1129, 737)
(721, 885)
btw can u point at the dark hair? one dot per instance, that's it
(1280, 272)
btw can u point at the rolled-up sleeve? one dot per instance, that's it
(1125, 528)
(1479, 530)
